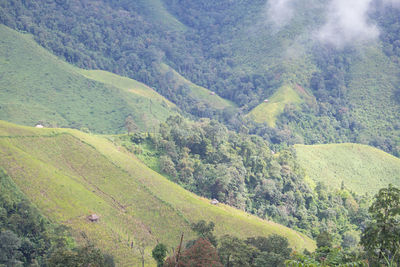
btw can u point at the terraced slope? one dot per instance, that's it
(35, 86)
(363, 169)
(69, 175)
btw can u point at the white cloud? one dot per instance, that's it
(347, 22)
(280, 12)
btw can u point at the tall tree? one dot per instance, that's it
(382, 236)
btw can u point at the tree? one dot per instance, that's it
(382, 236)
(81, 256)
(130, 124)
(274, 250)
(159, 253)
(9, 245)
(324, 239)
(201, 254)
(235, 252)
(167, 165)
(205, 231)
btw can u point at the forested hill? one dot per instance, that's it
(245, 52)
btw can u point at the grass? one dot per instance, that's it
(363, 169)
(198, 92)
(268, 112)
(69, 175)
(127, 84)
(36, 86)
(157, 10)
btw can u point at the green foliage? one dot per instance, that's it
(326, 257)
(255, 251)
(205, 231)
(61, 95)
(69, 175)
(240, 170)
(381, 238)
(159, 253)
(269, 112)
(27, 238)
(235, 252)
(274, 250)
(10, 246)
(82, 256)
(181, 48)
(324, 239)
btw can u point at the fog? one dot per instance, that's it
(279, 12)
(345, 22)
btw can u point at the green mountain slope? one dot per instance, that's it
(269, 111)
(35, 87)
(199, 93)
(69, 175)
(372, 93)
(363, 169)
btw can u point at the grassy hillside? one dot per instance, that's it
(127, 84)
(69, 175)
(197, 92)
(363, 169)
(268, 112)
(35, 86)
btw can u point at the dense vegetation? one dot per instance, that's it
(70, 175)
(380, 239)
(240, 170)
(234, 53)
(29, 239)
(36, 87)
(193, 53)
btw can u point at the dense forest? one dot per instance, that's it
(231, 48)
(203, 42)
(380, 244)
(240, 170)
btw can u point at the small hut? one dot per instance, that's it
(214, 202)
(39, 126)
(93, 218)
(266, 100)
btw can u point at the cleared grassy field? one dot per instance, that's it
(198, 92)
(125, 83)
(69, 175)
(268, 112)
(363, 169)
(36, 86)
